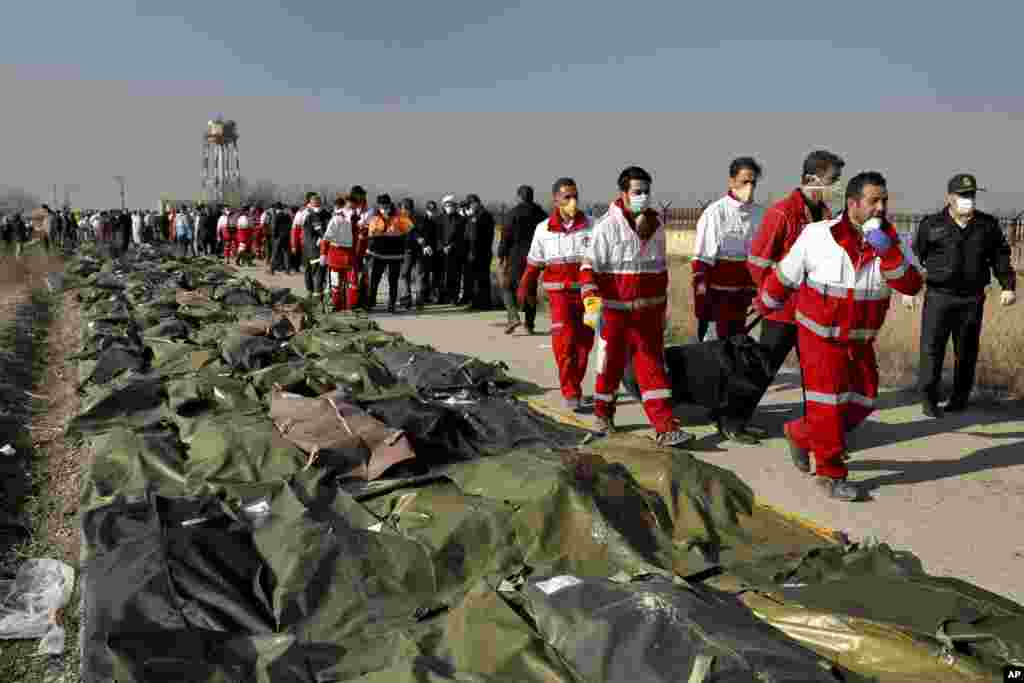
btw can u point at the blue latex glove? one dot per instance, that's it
(878, 239)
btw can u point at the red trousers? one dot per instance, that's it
(244, 239)
(571, 340)
(841, 383)
(729, 311)
(229, 244)
(344, 284)
(638, 335)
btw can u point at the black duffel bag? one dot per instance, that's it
(728, 376)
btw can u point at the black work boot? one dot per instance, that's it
(801, 458)
(838, 489)
(930, 408)
(733, 430)
(956, 405)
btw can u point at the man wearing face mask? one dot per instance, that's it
(779, 229)
(722, 286)
(513, 250)
(419, 252)
(479, 254)
(624, 279)
(311, 225)
(387, 234)
(558, 247)
(959, 249)
(842, 273)
(451, 243)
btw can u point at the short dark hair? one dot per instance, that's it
(744, 163)
(310, 195)
(525, 193)
(339, 202)
(384, 199)
(855, 188)
(632, 173)
(408, 204)
(562, 182)
(820, 161)
(472, 199)
(357, 190)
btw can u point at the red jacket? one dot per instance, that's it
(625, 271)
(842, 283)
(558, 250)
(782, 224)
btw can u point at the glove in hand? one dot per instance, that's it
(1008, 298)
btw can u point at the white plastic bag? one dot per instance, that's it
(31, 600)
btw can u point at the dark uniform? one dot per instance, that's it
(313, 228)
(418, 266)
(476, 291)
(959, 263)
(516, 237)
(452, 248)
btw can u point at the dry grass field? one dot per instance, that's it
(1000, 364)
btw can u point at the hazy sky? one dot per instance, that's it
(481, 96)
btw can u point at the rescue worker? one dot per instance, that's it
(780, 227)
(359, 211)
(419, 252)
(452, 243)
(558, 247)
(387, 233)
(338, 257)
(842, 272)
(513, 250)
(312, 224)
(959, 249)
(722, 286)
(226, 229)
(244, 236)
(476, 291)
(625, 287)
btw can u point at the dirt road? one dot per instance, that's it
(952, 491)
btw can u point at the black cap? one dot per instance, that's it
(962, 183)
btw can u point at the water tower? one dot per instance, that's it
(222, 177)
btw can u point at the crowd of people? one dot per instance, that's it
(819, 284)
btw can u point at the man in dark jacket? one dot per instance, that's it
(452, 244)
(516, 236)
(419, 253)
(313, 222)
(959, 249)
(479, 254)
(280, 234)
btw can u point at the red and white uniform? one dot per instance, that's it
(558, 250)
(226, 226)
(263, 232)
(722, 285)
(842, 287)
(243, 233)
(780, 227)
(630, 275)
(338, 248)
(297, 222)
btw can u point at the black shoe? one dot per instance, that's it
(529, 329)
(955, 405)
(838, 489)
(931, 409)
(800, 458)
(737, 433)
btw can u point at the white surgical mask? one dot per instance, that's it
(964, 204)
(638, 202)
(872, 224)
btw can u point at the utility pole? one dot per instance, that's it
(119, 179)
